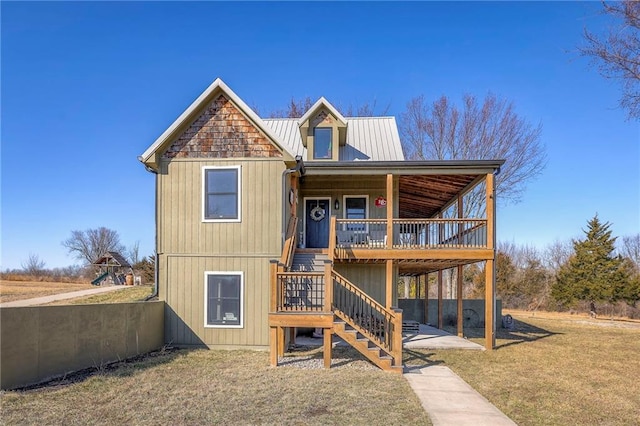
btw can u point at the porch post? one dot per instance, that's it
(459, 274)
(440, 299)
(490, 288)
(389, 287)
(390, 208)
(426, 298)
(327, 346)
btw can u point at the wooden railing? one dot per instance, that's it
(300, 292)
(380, 325)
(289, 243)
(412, 233)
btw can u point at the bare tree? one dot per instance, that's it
(298, 107)
(89, 245)
(557, 254)
(133, 253)
(617, 55)
(491, 130)
(33, 265)
(630, 248)
(295, 109)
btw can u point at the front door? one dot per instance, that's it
(316, 217)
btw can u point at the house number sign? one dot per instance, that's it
(381, 202)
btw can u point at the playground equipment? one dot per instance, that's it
(114, 267)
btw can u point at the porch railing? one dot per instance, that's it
(300, 292)
(412, 233)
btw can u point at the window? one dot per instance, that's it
(223, 298)
(355, 208)
(322, 143)
(221, 202)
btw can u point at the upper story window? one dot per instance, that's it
(322, 145)
(221, 198)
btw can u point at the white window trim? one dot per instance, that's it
(204, 195)
(206, 298)
(366, 209)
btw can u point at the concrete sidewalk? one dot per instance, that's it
(61, 296)
(449, 400)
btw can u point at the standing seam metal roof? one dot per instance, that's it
(368, 138)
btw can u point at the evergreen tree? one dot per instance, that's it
(593, 273)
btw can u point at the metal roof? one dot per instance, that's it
(368, 138)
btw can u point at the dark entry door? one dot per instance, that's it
(317, 223)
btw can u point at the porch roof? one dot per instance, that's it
(425, 187)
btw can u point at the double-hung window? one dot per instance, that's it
(355, 207)
(223, 299)
(221, 198)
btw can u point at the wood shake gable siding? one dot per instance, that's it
(187, 246)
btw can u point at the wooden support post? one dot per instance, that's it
(273, 346)
(280, 341)
(459, 275)
(440, 299)
(327, 346)
(389, 285)
(489, 320)
(396, 344)
(490, 285)
(390, 207)
(459, 301)
(426, 298)
(292, 335)
(328, 286)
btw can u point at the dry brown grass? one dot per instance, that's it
(555, 369)
(220, 387)
(20, 290)
(123, 295)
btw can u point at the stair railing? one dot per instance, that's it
(289, 243)
(380, 325)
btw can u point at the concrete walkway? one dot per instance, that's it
(61, 296)
(449, 400)
(434, 338)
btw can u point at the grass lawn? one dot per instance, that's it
(19, 290)
(126, 294)
(555, 370)
(196, 387)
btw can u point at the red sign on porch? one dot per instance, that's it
(381, 201)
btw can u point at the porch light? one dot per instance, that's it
(336, 205)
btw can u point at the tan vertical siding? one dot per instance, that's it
(188, 247)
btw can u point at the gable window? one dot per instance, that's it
(322, 145)
(355, 207)
(221, 198)
(223, 299)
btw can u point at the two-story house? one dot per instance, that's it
(265, 225)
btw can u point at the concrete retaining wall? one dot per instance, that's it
(41, 342)
(413, 309)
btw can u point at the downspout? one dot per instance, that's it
(155, 222)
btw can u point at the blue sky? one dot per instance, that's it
(87, 87)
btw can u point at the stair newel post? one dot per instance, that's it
(274, 285)
(328, 286)
(332, 238)
(397, 337)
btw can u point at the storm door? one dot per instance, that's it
(316, 218)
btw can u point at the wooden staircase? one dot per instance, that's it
(365, 346)
(307, 292)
